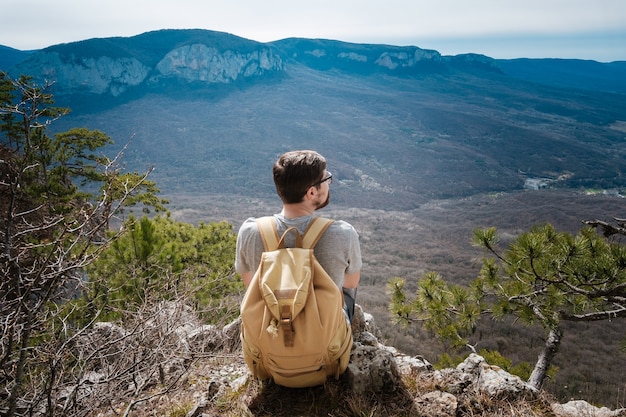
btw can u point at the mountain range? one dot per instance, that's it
(400, 125)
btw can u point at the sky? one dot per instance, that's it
(502, 29)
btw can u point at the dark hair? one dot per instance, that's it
(295, 172)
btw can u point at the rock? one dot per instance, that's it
(364, 322)
(407, 58)
(409, 364)
(452, 380)
(106, 330)
(230, 334)
(436, 404)
(231, 378)
(359, 322)
(103, 337)
(84, 388)
(206, 338)
(581, 408)
(371, 369)
(498, 383)
(475, 374)
(374, 363)
(170, 315)
(198, 409)
(368, 339)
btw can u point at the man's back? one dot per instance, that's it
(293, 327)
(337, 251)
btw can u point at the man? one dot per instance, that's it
(303, 184)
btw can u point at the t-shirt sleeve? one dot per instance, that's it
(246, 247)
(354, 255)
(343, 249)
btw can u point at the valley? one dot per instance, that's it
(393, 142)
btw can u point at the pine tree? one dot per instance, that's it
(545, 277)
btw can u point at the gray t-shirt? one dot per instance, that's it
(338, 250)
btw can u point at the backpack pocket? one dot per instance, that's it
(252, 357)
(297, 371)
(339, 349)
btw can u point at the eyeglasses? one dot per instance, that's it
(328, 178)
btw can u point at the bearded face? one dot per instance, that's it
(320, 204)
(323, 200)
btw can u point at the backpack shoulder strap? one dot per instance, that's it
(269, 234)
(314, 231)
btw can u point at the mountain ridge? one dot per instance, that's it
(400, 125)
(149, 47)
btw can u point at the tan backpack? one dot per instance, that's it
(293, 327)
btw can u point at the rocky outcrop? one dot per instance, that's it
(394, 58)
(374, 367)
(406, 59)
(114, 75)
(325, 54)
(75, 74)
(580, 408)
(475, 374)
(199, 62)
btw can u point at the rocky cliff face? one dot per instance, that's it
(114, 75)
(206, 64)
(362, 58)
(393, 60)
(87, 75)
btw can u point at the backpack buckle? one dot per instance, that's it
(286, 325)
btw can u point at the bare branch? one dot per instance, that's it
(619, 312)
(607, 228)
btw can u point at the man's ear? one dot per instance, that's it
(311, 192)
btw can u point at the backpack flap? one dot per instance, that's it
(285, 279)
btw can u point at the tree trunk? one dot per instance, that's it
(545, 358)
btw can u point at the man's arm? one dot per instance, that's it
(352, 280)
(246, 277)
